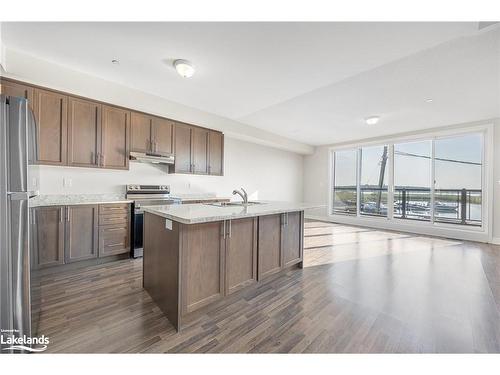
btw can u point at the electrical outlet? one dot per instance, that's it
(67, 182)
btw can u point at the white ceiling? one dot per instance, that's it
(312, 82)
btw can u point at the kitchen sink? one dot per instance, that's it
(229, 204)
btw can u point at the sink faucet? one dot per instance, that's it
(243, 194)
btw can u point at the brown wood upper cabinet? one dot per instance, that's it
(197, 150)
(115, 133)
(162, 134)
(84, 133)
(182, 149)
(16, 89)
(199, 139)
(50, 110)
(150, 134)
(215, 153)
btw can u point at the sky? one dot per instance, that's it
(416, 171)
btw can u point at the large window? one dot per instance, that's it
(373, 183)
(438, 180)
(345, 182)
(412, 180)
(458, 176)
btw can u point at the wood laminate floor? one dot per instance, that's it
(361, 290)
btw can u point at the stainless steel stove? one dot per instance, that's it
(146, 195)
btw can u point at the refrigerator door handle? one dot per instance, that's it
(18, 195)
(21, 296)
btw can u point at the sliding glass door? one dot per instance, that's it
(345, 182)
(373, 182)
(438, 180)
(458, 175)
(412, 180)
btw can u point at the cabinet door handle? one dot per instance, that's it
(114, 229)
(230, 228)
(102, 159)
(115, 244)
(224, 229)
(67, 213)
(286, 216)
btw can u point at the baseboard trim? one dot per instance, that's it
(427, 231)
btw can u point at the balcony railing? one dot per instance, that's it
(456, 206)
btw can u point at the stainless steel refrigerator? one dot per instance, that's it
(17, 151)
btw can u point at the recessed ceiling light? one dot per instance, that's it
(184, 68)
(115, 61)
(429, 100)
(372, 120)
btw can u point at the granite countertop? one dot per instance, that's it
(204, 213)
(197, 197)
(76, 199)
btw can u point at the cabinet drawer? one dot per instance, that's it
(114, 239)
(114, 209)
(114, 219)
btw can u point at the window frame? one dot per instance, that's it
(479, 233)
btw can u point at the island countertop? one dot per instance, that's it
(204, 213)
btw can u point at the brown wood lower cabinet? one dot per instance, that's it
(202, 259)
(241, 254)
(114, 229)
(69, 234)
(292, 236)
(191, 267)
(47, 236)
(81, 233)
(270, 258)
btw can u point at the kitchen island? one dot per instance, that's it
(198, 256)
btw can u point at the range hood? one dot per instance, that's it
(153, 158)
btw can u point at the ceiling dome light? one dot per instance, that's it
(184, 68)
(372, 120)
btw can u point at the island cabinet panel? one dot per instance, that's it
(47, 236)
(200, 150)
(270, 257)
(292, 238)
(161, 265)
(215, 153)
(162, 134)
(81, 232)
(15, 89)
(182, 149)
(202, 265)
(140, 132)
(241, 254)
(115, 137)
(84, 131)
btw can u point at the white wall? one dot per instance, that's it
(2, 51)
(265, 172)
(316, 180)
